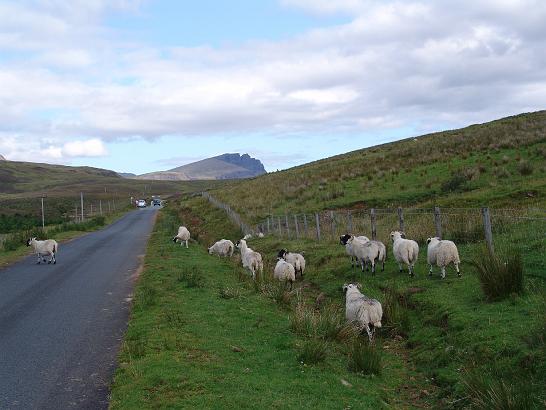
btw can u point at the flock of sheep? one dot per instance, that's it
(366, 313)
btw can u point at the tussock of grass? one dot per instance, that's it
(192, 277)
(365, 358)
(229, 293)
(500, 273)
(326, 324)
(313, 352)
(395, 313)
(486, 394)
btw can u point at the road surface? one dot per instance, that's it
(61, 325)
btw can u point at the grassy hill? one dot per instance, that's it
(500, 163)
(23, 183)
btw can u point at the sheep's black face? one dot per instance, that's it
(281, 253)
(174, 239)
(343, 239)
(428, 240)
(29, 241)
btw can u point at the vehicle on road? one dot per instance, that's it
(141, 203)
(156, 201)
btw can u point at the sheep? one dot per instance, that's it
(224, 247)
(48, 247)
(251, 260)
(349, 248)
(260, 235)
(405, 250)
(285, 271)
(295, 259)
(247, 236)
(361, 309)
(377, 245)
(183, 235)
(441, 253)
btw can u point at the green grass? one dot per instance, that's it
(193, 347)
(439, 328)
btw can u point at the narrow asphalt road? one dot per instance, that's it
(61, 325)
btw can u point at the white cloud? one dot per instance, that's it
(88, 148)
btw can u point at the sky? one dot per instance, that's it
(147, 85)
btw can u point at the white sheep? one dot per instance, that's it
(285, 271)
(361, 309)
(247, 236)
(224, 247)
(42, 248)
(183, 235)
(251, 260)
(260, 235)
(441, 253)
(349, 247)
(295, 259)
(405, 251)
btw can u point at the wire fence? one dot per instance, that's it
(462, 225)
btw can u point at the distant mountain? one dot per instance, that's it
(225, 166)
(126, 174)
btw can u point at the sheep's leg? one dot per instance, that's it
(39, 258)
(186, 243)
(367, 267)
(368, 331)
(362, 264)
(373, 266)
(443, 272)
(400, 267)
(383, 267)
(457, 269)
(410, 268)
(430, 270)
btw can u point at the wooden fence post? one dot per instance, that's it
(487, 229)
(305, 225)
(349, 222)
(374, 227)
(401, 219)
(333, 220)
(287, 226)
(297, 227)
(268, 230)
(438, 222)
(318, 226)
(279, 225)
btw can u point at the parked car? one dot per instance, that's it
(156, 201)
(141, 203)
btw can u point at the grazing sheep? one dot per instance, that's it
(224, 247)
(405, 251)
(42, 248)
(295, 259)
(349, 247)
(251, 260)
(441, 253)
(361, 309)
(260, 235)
(183, 235)
(285, 271)
(247, 237)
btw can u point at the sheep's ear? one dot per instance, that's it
(359, 286)
(345, 286)
(402, 235)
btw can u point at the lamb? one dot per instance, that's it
(183, 235)
(251, 260)
(48, 247)
(285, 271)
(361, 309)
(405, 251)
(295, 259)
(224, 247)
(349, 247)
(441, 253)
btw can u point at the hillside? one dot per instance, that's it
(226, 166)
(500, 163)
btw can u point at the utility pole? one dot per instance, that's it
(43, 217)
(81, 199)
